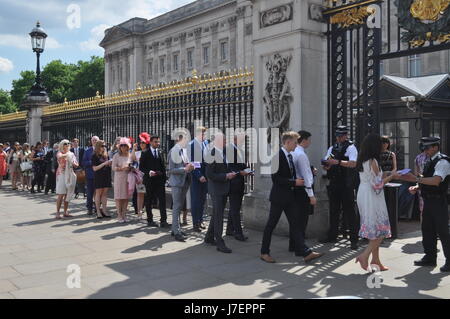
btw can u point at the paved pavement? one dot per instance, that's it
(133, 261)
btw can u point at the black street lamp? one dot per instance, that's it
(38, 37)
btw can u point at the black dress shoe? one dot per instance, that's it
(210, 241)
(354, 246)
(202, 226)
(446, 267)
(182, 233)
(152, 224)
(241, 237)
(90, 213)
(164, 225)
(224, 249)
(197, 229)
(180, 238)
(425, 262)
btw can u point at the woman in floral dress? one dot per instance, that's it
(371, 202)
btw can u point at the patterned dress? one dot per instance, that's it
(372, 206)
(3, 163)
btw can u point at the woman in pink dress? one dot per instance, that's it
(3, 166)
(121, 167)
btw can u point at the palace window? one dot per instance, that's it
(206, 55)
(398, 132)
(150, 70)
(162, 65)
(190, 59)
(223, 51)
(414, 66)
(176, 62)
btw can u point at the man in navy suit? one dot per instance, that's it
(199, 186)
(285, 196)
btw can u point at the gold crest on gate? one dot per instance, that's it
(429, 11)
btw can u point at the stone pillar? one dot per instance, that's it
(183, 55)
(34, 106)
(232, 21)
(215, 56)
(286, 39)
(108, 60)
(198, 56)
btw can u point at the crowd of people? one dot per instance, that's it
(199, 167)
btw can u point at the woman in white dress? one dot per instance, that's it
(371, 203)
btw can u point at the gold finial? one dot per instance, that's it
(97, 95)
(65, 101)
(194, 76)
(138, 88)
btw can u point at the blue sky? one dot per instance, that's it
(70, 39)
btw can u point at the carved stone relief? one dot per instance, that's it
(277, 96)
(276, 15)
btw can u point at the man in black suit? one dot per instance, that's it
(51, 167)
(153, 166)
(79, 153)
(219, 175)
(284, 196)
(236, 161)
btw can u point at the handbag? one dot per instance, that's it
(26, 166)
(81, 176)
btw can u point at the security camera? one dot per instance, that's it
(410, 103)
(409, 99)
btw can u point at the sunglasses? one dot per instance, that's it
(65, 144)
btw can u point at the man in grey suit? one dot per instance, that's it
(219, 175)
(180, 179)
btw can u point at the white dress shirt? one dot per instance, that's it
(351, 153)
(303, 169)
(442, 167)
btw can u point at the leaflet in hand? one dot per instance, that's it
(197, 164)
(404, 171)
(248, 171)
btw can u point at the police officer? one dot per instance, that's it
(433, 187)
(340, 163)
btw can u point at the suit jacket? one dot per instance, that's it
(216, 172)
(195, 153)
(178, 177)
(80, 154)
(236, 164)
(283, 189)
(148, 163)
(86, 163)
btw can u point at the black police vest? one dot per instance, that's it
(428, 171)
(337, 174)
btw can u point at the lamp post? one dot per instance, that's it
(38, 37)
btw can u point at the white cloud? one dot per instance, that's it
(6, 65)
(97, 34)
(24, 42)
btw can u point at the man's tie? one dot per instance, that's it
(156, 154)
(292, 167)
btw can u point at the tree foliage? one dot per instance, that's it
(62, 80)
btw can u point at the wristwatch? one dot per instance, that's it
(418, 179)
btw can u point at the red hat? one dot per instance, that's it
(145, 137)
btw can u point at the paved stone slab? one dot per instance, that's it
(133, 261)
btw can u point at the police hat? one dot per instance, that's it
(428, 141)
(341, 130)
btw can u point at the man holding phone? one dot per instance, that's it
(219, 175)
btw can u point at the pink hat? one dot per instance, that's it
(125, 141)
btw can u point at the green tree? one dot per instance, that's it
(22, 86)
(58, 78)
(89, 78)
(6, 103)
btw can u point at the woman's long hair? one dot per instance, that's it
(370, 149)
(99, 150)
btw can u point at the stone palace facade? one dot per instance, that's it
(207, 35)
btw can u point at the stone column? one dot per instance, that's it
(107, 73)
(34, 106)
(183, 55)
(198, 49)
(215, 57)
(289, 48)
(232, 21)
